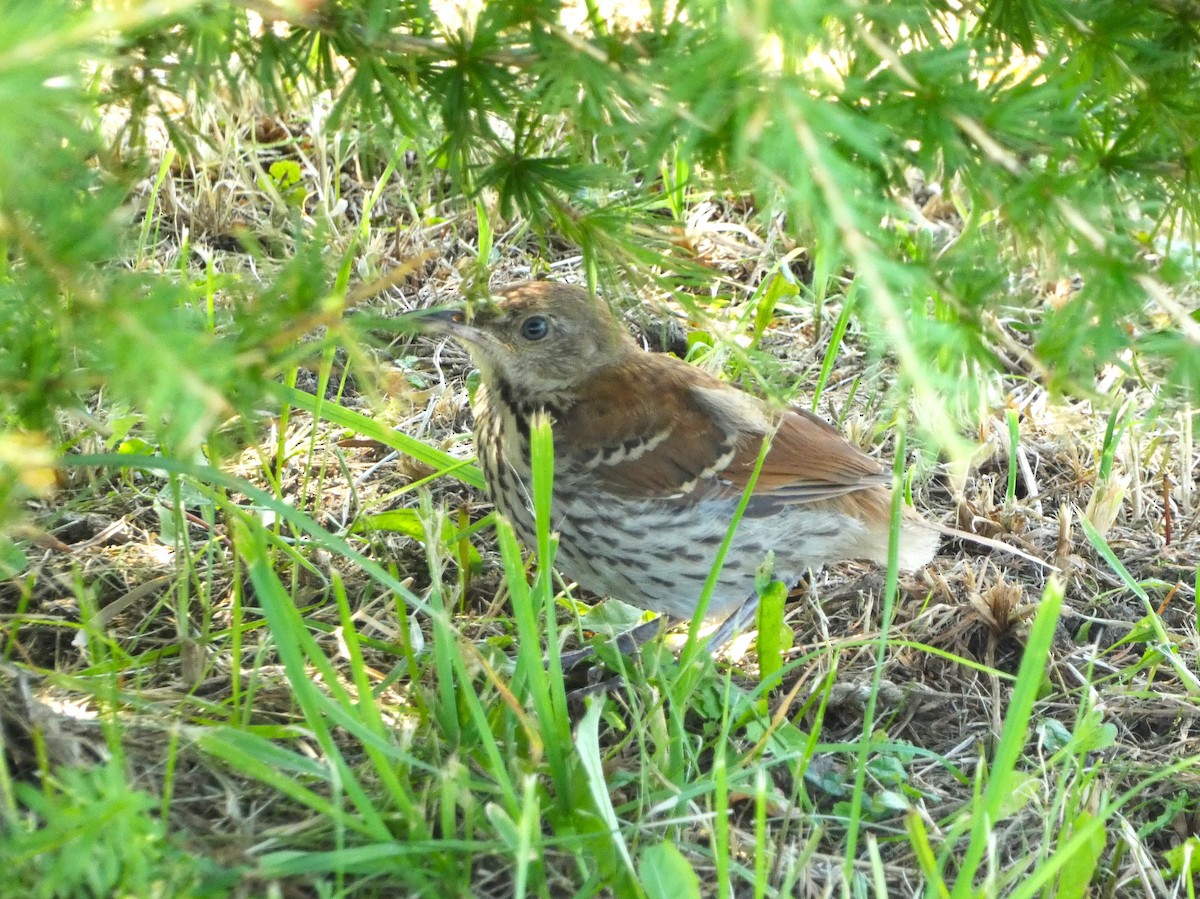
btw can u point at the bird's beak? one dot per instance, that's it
(458, 322)
(445, 322)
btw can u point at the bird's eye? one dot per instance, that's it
(535, 327)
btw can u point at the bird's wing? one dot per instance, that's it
(807, 459)
(669, 430)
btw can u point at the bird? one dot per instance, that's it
(652, 456)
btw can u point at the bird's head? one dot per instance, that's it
(540, 337)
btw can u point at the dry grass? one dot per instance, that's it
(164, 614)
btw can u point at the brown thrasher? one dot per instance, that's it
(651, 457)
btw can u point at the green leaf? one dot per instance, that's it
(587, 745)
(1023, 788)
(887, 770)
(699, 338)
(1144, 630)
(285, 175)
(484, 225)
(135, 446)
(666, 873)
(785, 741)
(1080, 866)
(889, 802)
(1184, 858)
(774, 637)
(473, 380)
(610, 617)
(506, 827)
(398, 521)
(764, 312)
(411, 523)
(13, 560)
(173, 501)
(1054, 734)
(764, 574)
(1094, 735)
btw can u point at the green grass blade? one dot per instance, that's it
(1014, 439)
(542, 461)
(587, 745)
(835, 345)
(286, 512)
(319, 407)
(297, 651)
(1165, 644)
(1013, 735)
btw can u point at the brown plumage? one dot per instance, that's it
(652, 456)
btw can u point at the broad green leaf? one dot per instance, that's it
(1184, 858)
(13, 560)
(1080, 867)
(610, 617)
(666, 874)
